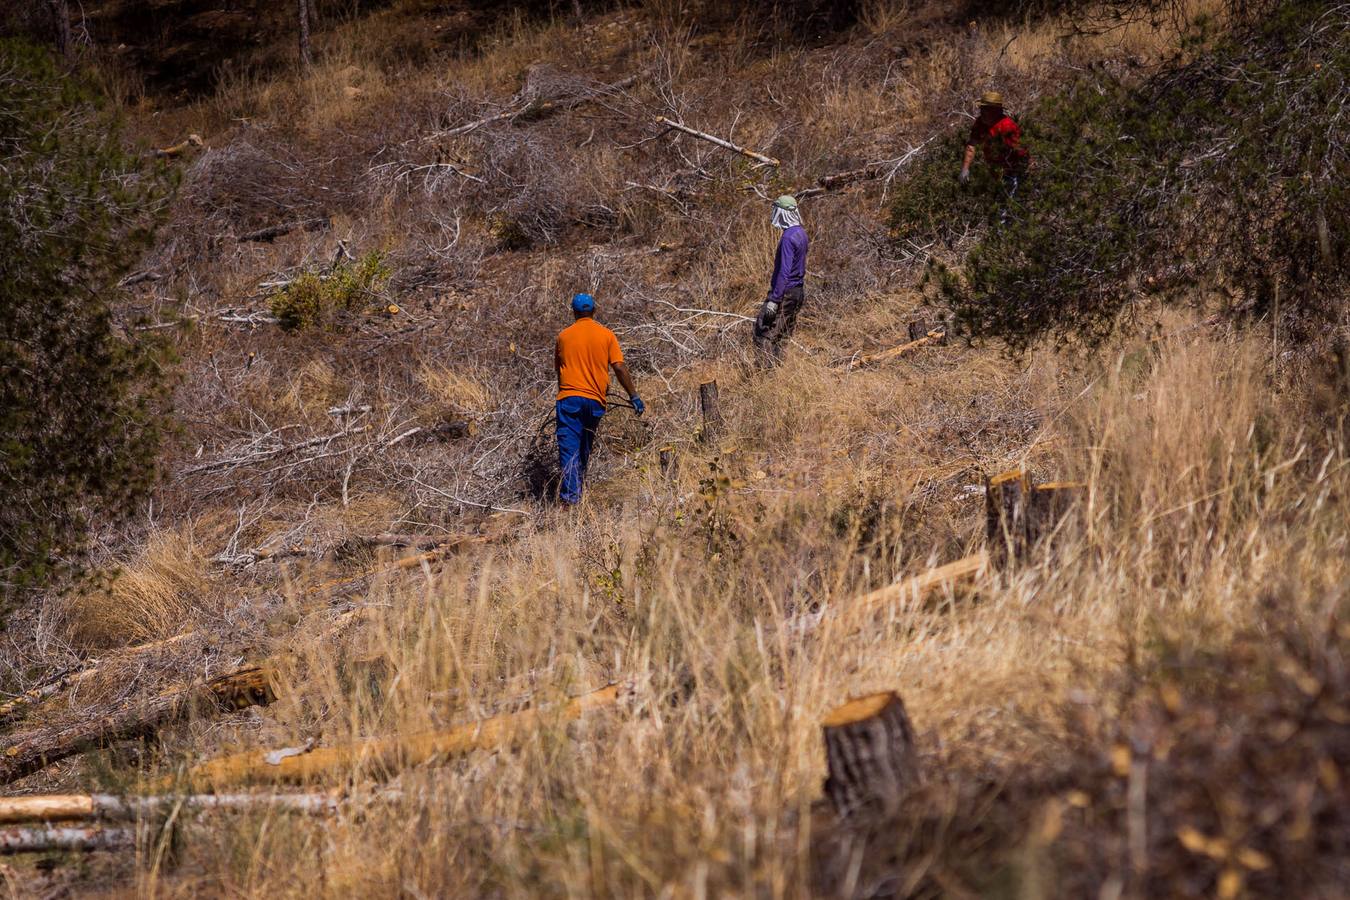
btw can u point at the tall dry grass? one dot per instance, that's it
(1206, 491)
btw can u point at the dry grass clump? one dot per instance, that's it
(453, 392)
(154, 595)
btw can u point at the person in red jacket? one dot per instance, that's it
(996, 132)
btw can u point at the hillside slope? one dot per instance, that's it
(1175, 667)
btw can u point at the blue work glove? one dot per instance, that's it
(638, 406)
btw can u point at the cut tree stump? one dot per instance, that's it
(1020, 517)
(1005, 515)
(919, 329)
(712, 411)
(31, 751)
(870, 751)
(383, 755)
(1050, 508)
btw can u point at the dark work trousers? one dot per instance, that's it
(578, 418)
(769, 337)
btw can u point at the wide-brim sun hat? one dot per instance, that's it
(991, 98)
(787, 201)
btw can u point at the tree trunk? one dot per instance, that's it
(869, 747)
(29, 752)
(65, 44)
(303, 9)
(712, 411)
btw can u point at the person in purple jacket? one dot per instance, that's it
(778, 317)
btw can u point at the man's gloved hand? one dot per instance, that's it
(770, 311)
(638, 406)
(964, 177)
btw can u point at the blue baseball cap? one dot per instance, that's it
(583, 303)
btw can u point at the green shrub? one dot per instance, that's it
(80, 398)
(322, 299)
(1228, 170)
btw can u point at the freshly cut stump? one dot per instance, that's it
(873, 762)
(1005, 513)
(712, 411)
(1049, 507)
(919, 330)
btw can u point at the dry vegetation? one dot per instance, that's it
(1210, 577)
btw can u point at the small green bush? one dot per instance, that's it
(1221, 171)
(317, 299)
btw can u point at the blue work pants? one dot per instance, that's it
(578, 418)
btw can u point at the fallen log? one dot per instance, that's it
(914, 589)
(192, 140)
(31, 751)
(936, 336)
(918, 587)
(272, 232)
(871, 756)
(46, 839)
(111, 807)
(714, 139)
(73, 678)
(384, 755)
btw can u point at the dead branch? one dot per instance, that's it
(273, 232)
(534, 109)
(376, 756)
(260, 455)
(935, 336)
(714, 139)
(29, 752)
(913, 590)
(886, 167)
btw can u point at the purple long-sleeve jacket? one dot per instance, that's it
(789, 263)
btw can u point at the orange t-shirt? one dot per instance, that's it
(585, 351)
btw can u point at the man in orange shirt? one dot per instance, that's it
(583, 356)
